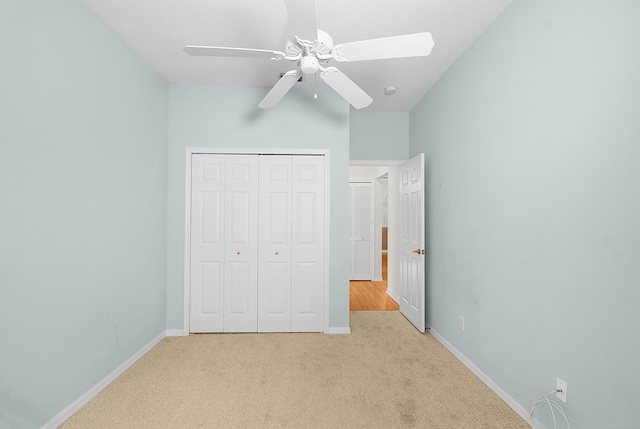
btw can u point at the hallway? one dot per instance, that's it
(371, 295)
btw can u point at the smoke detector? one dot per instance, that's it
(390, 90)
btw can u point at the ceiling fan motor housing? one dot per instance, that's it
(322, 46)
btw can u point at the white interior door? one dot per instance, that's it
(307, 237)
(240, 289)
(411, 245)
(361, 230)
(256, 243)
(207, 243)
(274, 255)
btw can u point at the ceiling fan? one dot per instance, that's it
(312, 49)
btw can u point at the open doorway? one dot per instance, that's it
(380, 291)
(372, 294)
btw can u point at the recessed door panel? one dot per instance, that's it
(277, 276)
(211, 172)
(307, 213)
(240, 290)
(277, 209)
(210, 288)
(304, 297)
(211, 203)
(238, 224)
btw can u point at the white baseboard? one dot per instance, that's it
(339, 331)
(515, 406)
(378, 279)
(63, 415)
(176, 333)
(395, 298)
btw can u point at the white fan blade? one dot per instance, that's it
(303, 19)
(409, 45)
(281, 87)
(216, 51)
(346, 87)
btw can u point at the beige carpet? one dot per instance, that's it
(384, 375)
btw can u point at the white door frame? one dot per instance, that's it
(393, 264)
(187, 218)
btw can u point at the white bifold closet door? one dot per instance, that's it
(257, 243)
(275, 246)
(290, 285)
(361, 230)
(241, 244)
(224, 243)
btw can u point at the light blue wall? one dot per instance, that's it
(533, 201)
(379, 136)
(82, 206)
(227, 117)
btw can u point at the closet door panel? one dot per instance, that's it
(207, 243)
(274, 285)
(241, 244)
(240, 290)
(362, 263)
(305, 288)
(308, 243)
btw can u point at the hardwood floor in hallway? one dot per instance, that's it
(371, 295)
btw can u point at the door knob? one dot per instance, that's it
(419, 251)
(238, 252)
(276, 253)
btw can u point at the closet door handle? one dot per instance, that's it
(238, 252)
(276, 253)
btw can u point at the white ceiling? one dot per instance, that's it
(159, 29)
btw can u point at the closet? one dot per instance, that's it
(361, 230)
(256, 260)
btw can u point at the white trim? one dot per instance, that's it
(378, 279)
(373, 163)
(187, 244)
(515, 406)
(187, 217)
(254, 151)
(393, 296)
(176, 333)
(536, 423)
(339, 331)
(63, 415)
(327, 236)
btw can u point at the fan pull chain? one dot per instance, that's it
(315, 86)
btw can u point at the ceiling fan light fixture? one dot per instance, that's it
(390, 90)
(309, 64)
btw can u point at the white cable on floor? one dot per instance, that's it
(552, 405)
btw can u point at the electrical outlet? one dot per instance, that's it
(561, 390)
(462, 323)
